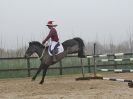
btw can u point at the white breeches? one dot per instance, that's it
(53, 43)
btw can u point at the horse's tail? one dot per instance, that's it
(81, 53)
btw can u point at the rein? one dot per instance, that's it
(42, 53)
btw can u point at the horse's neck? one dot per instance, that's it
(40, 51)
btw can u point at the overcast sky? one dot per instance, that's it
(102, 20)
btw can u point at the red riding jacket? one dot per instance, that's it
(53, 35)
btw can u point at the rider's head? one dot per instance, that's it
(51, 24)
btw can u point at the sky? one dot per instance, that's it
(22, 21)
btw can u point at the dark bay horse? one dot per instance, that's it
(75, 45)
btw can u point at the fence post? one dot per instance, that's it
(89, 66)
(82, 66)
(95, 66)
(115, 66)
(60, 67)
(28, 66)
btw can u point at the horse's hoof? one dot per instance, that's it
(33, 79)
(41, 82)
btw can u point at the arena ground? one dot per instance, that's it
(65, 87)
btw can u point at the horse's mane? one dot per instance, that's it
(37, 43)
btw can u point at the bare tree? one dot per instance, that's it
(130, 40)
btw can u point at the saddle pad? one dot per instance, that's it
(60, 49)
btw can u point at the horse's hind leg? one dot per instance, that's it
(45, 67)
(38, 71)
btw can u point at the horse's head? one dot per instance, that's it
(34, 47)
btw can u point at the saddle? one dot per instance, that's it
(58, 49)
(55, 48)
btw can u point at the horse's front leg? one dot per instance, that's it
(38, 71)
(45, 67)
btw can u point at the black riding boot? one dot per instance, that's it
(54, 56)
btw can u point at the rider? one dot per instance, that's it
(54, 37)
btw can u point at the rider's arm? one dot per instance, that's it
(52, 32)
(49, 35)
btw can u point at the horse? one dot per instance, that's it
(75, 45)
